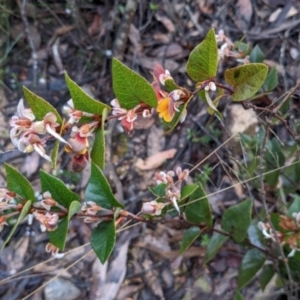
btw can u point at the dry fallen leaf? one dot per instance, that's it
(166, 22)
(156, 160)
(244, 13)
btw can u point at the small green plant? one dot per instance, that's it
(274, 237)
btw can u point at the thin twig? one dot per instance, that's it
(264, 201)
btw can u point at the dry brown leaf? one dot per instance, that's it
(134, 36)
(149, 62)
(244, 13)
(95, 27)
(166, 22)
(155, 160)
(167, 50)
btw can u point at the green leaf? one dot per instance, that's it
(171, 85)
(82, 101)
(215, 243)
(212, 109)
(57, 189)
(255, 235)
(40, 107)
(274, 158)
(203, 60)
(99, 190)
(198, 211)
(238, 296)
(265, 277)
(256, 55)
(54, 152)
(187, 190)
(159, 190)
(59, 236)
(295, 206)
(236, 220)
(98, 150)
(271, 80)
(103, 239)
(19, 184)
(190, 235)
(131, 88)
(251, 264)
(246, 79)
(22, 215)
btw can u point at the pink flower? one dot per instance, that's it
(160, 74)
(54, 251)
(127, 117)
(153, 208)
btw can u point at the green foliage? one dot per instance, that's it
(59, 236)
(236, 220)
(99, 190)
(265, 277)
(198, 208)
(57, 189)
(246, 80)
(23, 214)
(215, 243)
(203, 60)
(190, 235)
(17, 183)
(131, 88)
(295, 206)
(187, 190)
(98, 150)
(256, 55)
(39, 106)
(103, 239)
(271, 80)
(252, 262)
(82, 101)
(159, 190)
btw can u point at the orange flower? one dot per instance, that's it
(165, 108)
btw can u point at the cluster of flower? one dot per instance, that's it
(289, 235)
(172, 191)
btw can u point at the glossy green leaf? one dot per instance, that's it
(271, 80)
(265, 277)
(19, 184)
(187, 190)
(252, 262)
(57, 189)
(59, 236)
(255, 235)
(159, 190)
(295, 206)
(40, 107)
(131, 88)
(203, 60)
(82, 101)
(190, 235)
(103, 239)
(236, 220)
(215, 243)
(256, 55)
(22, 215)
(98, 150)
(198, 208)
(246, 80)
(238, 296)
(99, 190)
